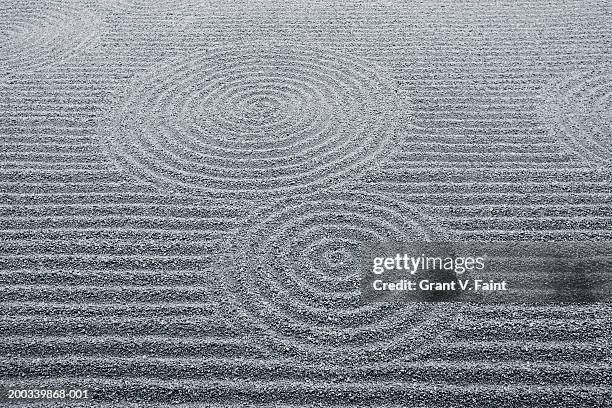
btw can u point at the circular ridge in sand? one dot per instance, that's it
(252, 120)
(36, 34)
(292, 277)
(579, 105)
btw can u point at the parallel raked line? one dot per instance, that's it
(166, 346)
(419, 392)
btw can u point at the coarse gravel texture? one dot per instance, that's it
(185, 186)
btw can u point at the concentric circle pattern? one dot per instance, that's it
(580, 107)
(36, 34)
(294, 278)
(253, 120)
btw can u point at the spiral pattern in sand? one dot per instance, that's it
(580, 109)
(294, 277)
(36, 34)
(253, 120)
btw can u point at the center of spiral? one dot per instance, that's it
(262, 109)
(337, 258)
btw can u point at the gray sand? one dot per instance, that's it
(185, 185)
